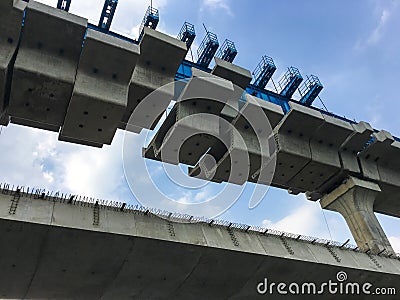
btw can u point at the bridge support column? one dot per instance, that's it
(354, 200)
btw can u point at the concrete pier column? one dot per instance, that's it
(354, 200)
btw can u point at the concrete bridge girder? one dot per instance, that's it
(292, 137)
(160, 58)
(325, 161)
(100, 94)
(194, 124)
(45, 67)
(249, 129)
(11, 14)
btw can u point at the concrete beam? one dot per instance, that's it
(292, 138)
(11, 14)
(45, 67)
(325, 161)
(193, 125)
(100, 94)
(248, 145)
(160, 58)
(373, 152)
(237, 75)
(48, 246)
(354, 200)
(350, 148)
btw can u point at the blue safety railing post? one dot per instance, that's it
(107, 14)
(187, 34)
(150, 20)
(290, 82)
(207, 49)
(227, 51)
(310, 90)
(263, 72)
(64, 4)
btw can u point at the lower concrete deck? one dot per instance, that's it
(53, 249)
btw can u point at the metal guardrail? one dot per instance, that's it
(42, 194)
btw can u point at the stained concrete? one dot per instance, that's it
(11, 14)
(100, 94)
(45, 67)
(53, 250)
(355, 199)
(161, 56)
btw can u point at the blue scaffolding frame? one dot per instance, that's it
(289, 82)
(310, 90)
(207, 49)
(264, 71)
(64, 4)
(187, 34)
(150, 20)
(107, 14)
(227, 51)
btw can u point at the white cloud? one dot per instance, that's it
(308, 219)
(378, 31)
(128, 15)
(395, 242)
(218, 5)
(33, 157)
(304, 220)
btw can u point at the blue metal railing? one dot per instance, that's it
(289, 82)
(207, 49)
(310, 89)
(187, 34)
(64, 4)
(227, 51)
(150, 20)
(264, 71)
(107, 14)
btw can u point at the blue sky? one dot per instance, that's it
(352, 46)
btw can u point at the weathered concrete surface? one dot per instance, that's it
(100, 94)
(45, 67)
(55, 250)
(237, 75)
(161, 56)
(11, 13)
(380, 162)
(193, 125)
(354, 200)
(292, 137)
(248, 150)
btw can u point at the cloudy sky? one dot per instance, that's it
(353, 47)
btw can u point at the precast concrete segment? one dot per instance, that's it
(160, 58)
(376, 150)
(348, 152)
(292, 138)
(11, 14)
(45, 67)
(388, 201)
(100, 94)
(362, 132)
(354, 200)
(237, 75)
(324, 147)
(48, 246)
(382, 156)
(193, 125)
(249, 130)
